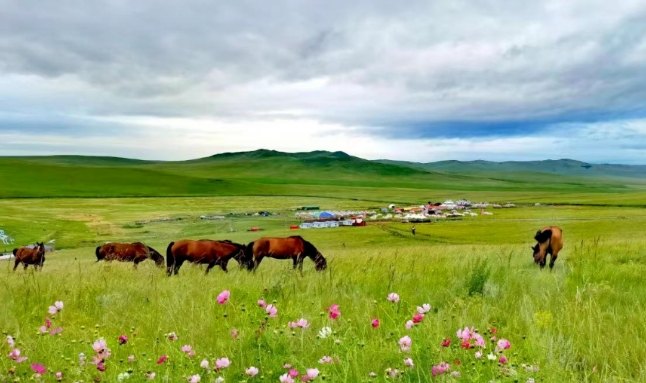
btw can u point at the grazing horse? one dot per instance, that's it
(239, 257)
(550, 241)
(205, 251)
(128, 252)
(294, 248)
(30, 256)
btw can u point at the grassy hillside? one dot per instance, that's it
(562, 167)
(318, 174)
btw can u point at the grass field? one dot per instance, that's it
(576, 323)
(581, 322)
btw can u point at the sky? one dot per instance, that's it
(417, 80)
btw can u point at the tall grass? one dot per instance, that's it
(579, 323)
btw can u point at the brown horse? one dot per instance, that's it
(30, 256)
(135, 252)
(204, 251)
(550, 241)
(294, 248)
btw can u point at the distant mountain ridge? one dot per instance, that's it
(567, 167)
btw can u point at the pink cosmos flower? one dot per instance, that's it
(101, 367)
(375, 323)
(410, 324)
(252, 371)
(48, 323)
(10, 341)
(194, 378)
(38, 368)
(302, 323)
(465, 335)
(222, 363)
(100, 346)
(162, 359)
(287, 366)
(123, 339)
(440, 369)
(503, 344)
(172, 337)
(223, 297)
(446, 343)
(186, 349)
(204, 364)
(408, 362)
(285, 378)
(393, 373)
(58, 306)
(312, 373)
(326, 360)
(503, 360)
(478, 355)
(272, 311)
(334, 311)
(405, 343)
(418, 318)
(56, 331)
(43, 330)
(262, 303)
(393, 297)
(293, 373)
(425, 308)
(150, 375)
(131, 359)
(479, 340)
(58, 376)
(15, 355)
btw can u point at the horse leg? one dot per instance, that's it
(295, 260)
(15, 266)
(256, 262)
(177, 265)
(553, 259)
(223, 264)
(25, 265)
(210, 266)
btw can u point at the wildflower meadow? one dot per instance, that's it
(459, 305)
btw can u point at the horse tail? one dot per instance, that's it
(170, 258)
(155, 256)
(249, 257)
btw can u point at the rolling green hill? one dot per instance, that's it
(318, 173)
(565, 167)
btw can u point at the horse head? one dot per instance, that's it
(320, 262)
(155, 256)
(40, 248)
(536, 253)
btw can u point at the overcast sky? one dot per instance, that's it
(415, 80)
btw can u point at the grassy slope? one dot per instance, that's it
(272, 173)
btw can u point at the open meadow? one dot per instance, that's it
(582, 322)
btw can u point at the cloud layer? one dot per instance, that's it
(496, 79)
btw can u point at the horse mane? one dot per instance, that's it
(309, 248)
(543, 236)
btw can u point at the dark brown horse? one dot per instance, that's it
(30, 256)
(294, 248)
(206, 252)
(135, 252)
(550, 241)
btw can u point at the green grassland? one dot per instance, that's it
(581, 322)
